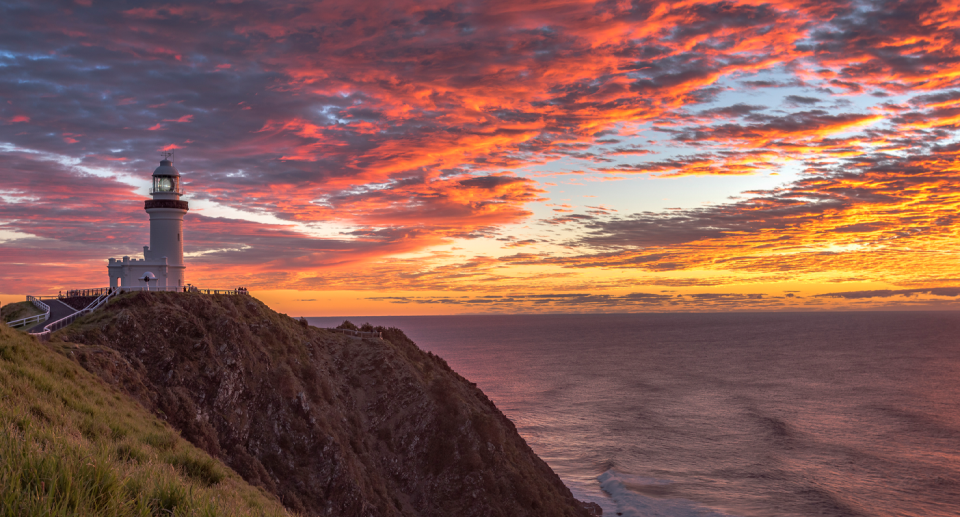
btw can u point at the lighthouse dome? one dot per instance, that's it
(166, 168)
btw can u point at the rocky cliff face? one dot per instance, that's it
(334, 425)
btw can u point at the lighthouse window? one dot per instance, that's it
(178, 237)
(164, 184)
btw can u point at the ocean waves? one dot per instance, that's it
(626, 493)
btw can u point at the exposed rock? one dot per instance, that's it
(593, 509)
(332, 424)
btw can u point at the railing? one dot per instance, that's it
(358, 333)
(59, 324)
(179, 190)
(132, 288)
(220, 291)
(98, 291)
(189, 289)
(27, 321)
(33, 319)
(63, 322)
(102, 300)
(98, 301)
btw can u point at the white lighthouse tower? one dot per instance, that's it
(162, 263)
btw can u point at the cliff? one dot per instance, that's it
(332, 424)
(72, 445)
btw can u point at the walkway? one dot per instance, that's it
(58, 310)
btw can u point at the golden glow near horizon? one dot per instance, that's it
(348, 158)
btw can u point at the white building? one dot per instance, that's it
(162, 263)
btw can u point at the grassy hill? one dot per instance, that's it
(72, 445)
(16, 311)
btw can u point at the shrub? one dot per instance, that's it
(346, 325)
(394, 335)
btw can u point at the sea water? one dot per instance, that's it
(725, 414)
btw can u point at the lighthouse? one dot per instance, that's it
(162, 264)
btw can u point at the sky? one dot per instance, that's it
(437, 157)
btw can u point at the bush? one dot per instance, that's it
(346, 325)
(394, 335)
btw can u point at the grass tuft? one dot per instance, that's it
(202, 469)
(163, 441)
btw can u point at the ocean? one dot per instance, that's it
(759, 414)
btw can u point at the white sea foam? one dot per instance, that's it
(632, 504)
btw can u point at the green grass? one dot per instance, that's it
(71, 445)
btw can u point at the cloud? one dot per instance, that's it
(813, 124)
(719, 163)
(799, 100)
(951, 292)
(409, 125)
